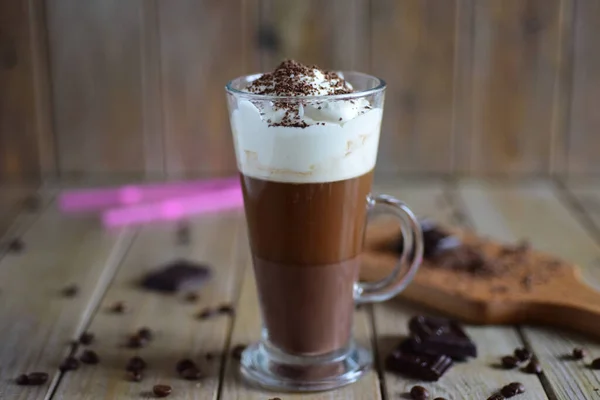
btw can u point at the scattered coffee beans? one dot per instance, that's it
(162, 390)
(136, 364)
(145, 333)
(419, 393)
(509, 362)
(522, 354)
(22, 380)
(533, 367)
(89, 357)
(237, 351)
(134, 376)
(578, 353)
(184, 364)
(595, 364)
(69, 364)
(70, 291)
(37, 378)
(86, 338)
(512, 389)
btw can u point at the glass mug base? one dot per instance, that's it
(270, 369)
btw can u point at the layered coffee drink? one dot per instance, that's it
(306, 167)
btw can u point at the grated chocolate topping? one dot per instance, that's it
(292, 78)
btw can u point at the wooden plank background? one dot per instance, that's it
(476, 87)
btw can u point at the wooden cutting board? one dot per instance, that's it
(538, 289)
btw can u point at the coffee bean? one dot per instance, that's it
(522, 354)
(496, 396)
(86, 338)
(578, 353)
(134, 376)
(16, 245)
(22, 380)
(419, 393)
(226, 309)
(119, 307)
(145, 333)
(89, 357)
(440, 398)
(184, 364)
(191, 374)
(509, 362)
(70, 291)
(207, 313)
(512, 389)
(595, 364)
(237, 351)
(136, 342)
(162, 390)
(37, 378)
(533, 367)
(69, 364)
(136, 364)
(191, 297)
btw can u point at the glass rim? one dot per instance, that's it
(380, 87)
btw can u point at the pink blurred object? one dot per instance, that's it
(174, 208)
(95, 199)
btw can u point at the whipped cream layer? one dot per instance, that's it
(326, 150)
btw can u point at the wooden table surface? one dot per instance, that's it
(37, 323)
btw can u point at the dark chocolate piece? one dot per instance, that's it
(509, 362)
(522, 354)
(177, 275)
(533, 367)
(578, 353)
(162, 390)
(427, 367)
(419, 393)
(441, 336)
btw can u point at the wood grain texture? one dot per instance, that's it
(476, 378)
(96, 65)
(38, 322)
(532, 210)
(515, 70)
(203, 45)
(178, 333)
(413, 46)
(246, 330)
(331, 34)
(19, 117)
(584, 118)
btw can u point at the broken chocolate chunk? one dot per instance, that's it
(177, 275)
(440, 336)
(427, 367)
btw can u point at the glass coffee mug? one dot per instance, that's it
(307, 196)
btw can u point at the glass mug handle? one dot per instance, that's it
(395, 282)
